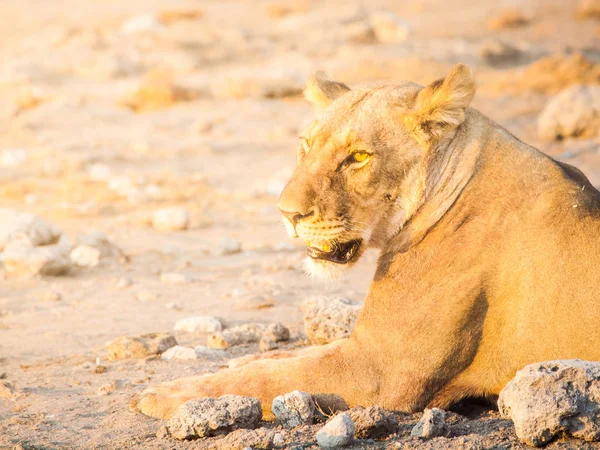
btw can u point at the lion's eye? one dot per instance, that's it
(360, 157)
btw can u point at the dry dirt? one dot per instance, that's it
(213, 128)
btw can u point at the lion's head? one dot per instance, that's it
(368, 162)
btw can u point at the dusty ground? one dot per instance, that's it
(72, 151)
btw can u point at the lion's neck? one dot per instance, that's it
(440, 179)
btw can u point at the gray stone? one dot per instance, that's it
(203, 417)
(554, 398)
(327, 319)
(293, 409)
(243, 334)
(199, 324)
(432, 424)
(22, 257)
(373, 422)
(277, 332)
(574, 111)
(338, 432)
(38, 232)
(85, 256)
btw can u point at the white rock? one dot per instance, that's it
(137, 24)
(338, 432)
(388, 27)
(554, 398)
(174, 278)
(432, 424)
(124, 282)
(22, 258)
(170, 219)
(327, 319)
(99, 240)
(293, 409)
(38, 232)
(199, 324)
(179, 352)
(85, 256)
(13, 157)
(575, 111)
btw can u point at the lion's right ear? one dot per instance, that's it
(440, 107)
(322, 92)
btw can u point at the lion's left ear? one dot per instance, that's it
(322, 92)
(440, 107)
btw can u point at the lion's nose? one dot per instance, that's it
(294, 217)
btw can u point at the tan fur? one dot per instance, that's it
(489, 255)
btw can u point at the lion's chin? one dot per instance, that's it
(324, 270)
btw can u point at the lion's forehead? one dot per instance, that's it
(360, 113)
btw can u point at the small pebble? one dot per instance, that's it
(146, 296)
(432, 424)
(293, 409)
(199, 324)
(171, 219)
(85, 256)
(174, 278)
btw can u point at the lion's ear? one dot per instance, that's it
(440, 107)
(322, 92)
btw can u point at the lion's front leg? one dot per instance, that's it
(330, 369)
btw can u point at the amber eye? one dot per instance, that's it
(360, 157)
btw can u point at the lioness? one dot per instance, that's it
(489, 253)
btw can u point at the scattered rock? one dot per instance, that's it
(179, 352)
(388, 28)
(85, 256)
(205, 417)
(259, 439)
(554, 398)
(247, 334)
(228, 246)
(7, 390)
(14, 223)
(170, 219)
(327, 319)
(13, 157)
(338, 432)
(511, 18)
(174, 278)
(243, 334)
(497, 53)
(140, 346)
(99, 369)
(552, 74)
(278, 440)
(137, 24)
(21, 257)
(588, 9)
(432, 424)
(293, 409)
(199, 324)
(99, 241)
(573, 112)
(266, 344)
(277, 332)
(373, 422)
(158, 90)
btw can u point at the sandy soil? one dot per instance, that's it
(74, 152)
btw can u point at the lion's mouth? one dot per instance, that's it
(337, 252)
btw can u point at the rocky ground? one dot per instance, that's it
(113, 110)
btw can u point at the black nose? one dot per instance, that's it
(294, 217)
